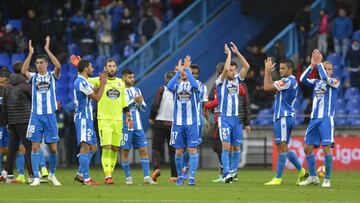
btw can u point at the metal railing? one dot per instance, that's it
(168, 40)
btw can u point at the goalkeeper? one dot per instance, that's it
(109, 115)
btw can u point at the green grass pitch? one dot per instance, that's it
(250, 188)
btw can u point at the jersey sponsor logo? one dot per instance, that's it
(232, 89)
(113, 94)
(43, 87)
(281, 83)
(184, 96)
(320, 89)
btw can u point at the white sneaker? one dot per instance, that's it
(54, 180)
(311, 180)
(326, 183)
(129, 181)
(35, 182)
(228, 178)
(148, 180)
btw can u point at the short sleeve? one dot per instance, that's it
(219, 81)
(282, 84)
(85, 87)
(53, 75)
(205, 95)
(238, 77)
(32, 75)
(94, 81)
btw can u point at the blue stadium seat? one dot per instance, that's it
(90, 58)
(350, 93)
(117, 58)
(304, 104)
(15, 23)
(73, 49)
(334, 59)
(340, 104)
(100, 61)
(5, 60)
(352, 104)
(17, 57)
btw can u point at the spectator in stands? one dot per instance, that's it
(157, 8)
(59, 23)
(8, 42)
(342, 31)
(103, 35)
(87, 39)
(353, 62)
(279, 52)
(31, 28)
(126, 26)
(77, 24)
(323, 27)
(261, 98)
(178, 6)
(303, 25)
(116, 12)
(149, 25)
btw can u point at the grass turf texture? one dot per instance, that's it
(250, 188)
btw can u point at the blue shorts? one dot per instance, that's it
(282, 129)
(184, 136)
(133, 139)
(230, 130)
(43, 126)
(85, 131)
(4, 137)
(320, 130)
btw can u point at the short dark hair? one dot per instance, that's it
(219, 68)
(289, 63)
(169, 75)
(42, 56)
(195, 66)
(17, 66)
(5, 73)
(233, 63)
(109, 60)
(126, 72)
(82, 65)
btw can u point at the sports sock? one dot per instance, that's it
(106, 161)
(20, 163)
(42, 162)
(126, 168)
(294, 160)
(328, 165)
(225, 161)
(179, 160)
(193, 163)
(236, 156)
(145, 163)
(113, 156)
(35, 163)
(230, 159)
(53, 163)
(91, 154)
(84, 165)
(186, 159)
(280, 164)
(311, 164)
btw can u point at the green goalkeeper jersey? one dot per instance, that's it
(113, 99)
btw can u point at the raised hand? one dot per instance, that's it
(138, 99)
(234, 48)
(226, 49)
(269, 64)
(75, 60)
(179, 66)
(103, 78)
(316, 57)
(31, 48)
(47, 43)
(187, 61)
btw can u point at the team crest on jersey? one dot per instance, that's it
(43, 87)
(184, 96)
(320, 89)
(113, 93)
(232, 89)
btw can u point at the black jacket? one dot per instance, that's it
(2, 112)
(17, 100)
(244, 108)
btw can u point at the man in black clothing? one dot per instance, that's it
(17, 106)
(161, 117)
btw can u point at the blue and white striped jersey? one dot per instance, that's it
(287, 90)
(186, 99)
(82, 89)
(134, 108)
(203, 97)
(325, 91)
(228, 95)
(43, 93)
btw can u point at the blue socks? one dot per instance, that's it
(42, 162)
(84, 165)
(126, 168)
(179, 160)
(294, 160)
(236, 156)
(311, 164)
(186, 159)
(193, 161)
(280, 164)
(225, 161)
(53, 162)
(145, 163)
(20, 163)
(328, 165)
(35, 156)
